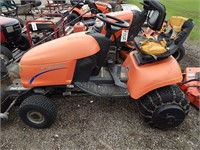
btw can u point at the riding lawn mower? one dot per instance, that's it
(12, 37)
(89, 62)
(87, 10)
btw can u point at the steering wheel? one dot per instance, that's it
(120, 23)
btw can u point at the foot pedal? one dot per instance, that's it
(106, 90)
(113, 72)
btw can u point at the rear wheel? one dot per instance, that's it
(24, 43)
(179, 54)
(165, 107)
(6, 52)
(38, 111)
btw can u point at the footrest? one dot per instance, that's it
(106, 90)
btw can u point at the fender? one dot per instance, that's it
(145, 78)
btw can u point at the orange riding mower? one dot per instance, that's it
(89, 63)
(87, 11)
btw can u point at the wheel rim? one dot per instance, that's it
(168, 116)
(35, 117)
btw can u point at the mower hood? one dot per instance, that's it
(5, 21)
(72, 47)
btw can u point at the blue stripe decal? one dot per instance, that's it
(34, 77)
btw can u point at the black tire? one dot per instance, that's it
(179, 54)
(6, 52)
(165, 107)
(72, 17)
(38, 111)
(23, 43)
(2, 92)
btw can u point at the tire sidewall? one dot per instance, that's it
(23, 43)
(38, 103)
(179, 54)
(46, 123)
(6, 52)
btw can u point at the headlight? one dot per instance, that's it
(9, 29)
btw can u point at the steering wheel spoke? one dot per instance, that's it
(116, 21)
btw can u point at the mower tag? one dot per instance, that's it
(34, 26)
(124, 36)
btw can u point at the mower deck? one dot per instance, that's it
(191, 85)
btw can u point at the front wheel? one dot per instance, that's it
(165, 107)
(6, 52)
(38, 111)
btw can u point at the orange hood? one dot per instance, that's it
(72, 47)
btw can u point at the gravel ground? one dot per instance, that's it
(103, 123)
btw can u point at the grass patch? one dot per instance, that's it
(184, 8)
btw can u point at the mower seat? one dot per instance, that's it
(182, 27)
(177, 30)
(154, 19)
(143, 58)
(156, 15)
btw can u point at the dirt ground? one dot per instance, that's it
(103, 123)
(87, 123)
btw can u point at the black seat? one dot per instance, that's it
(155, 18)
(154, 15)
(146, 58)
(157, 14)
(182, 35)
(172, 44)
